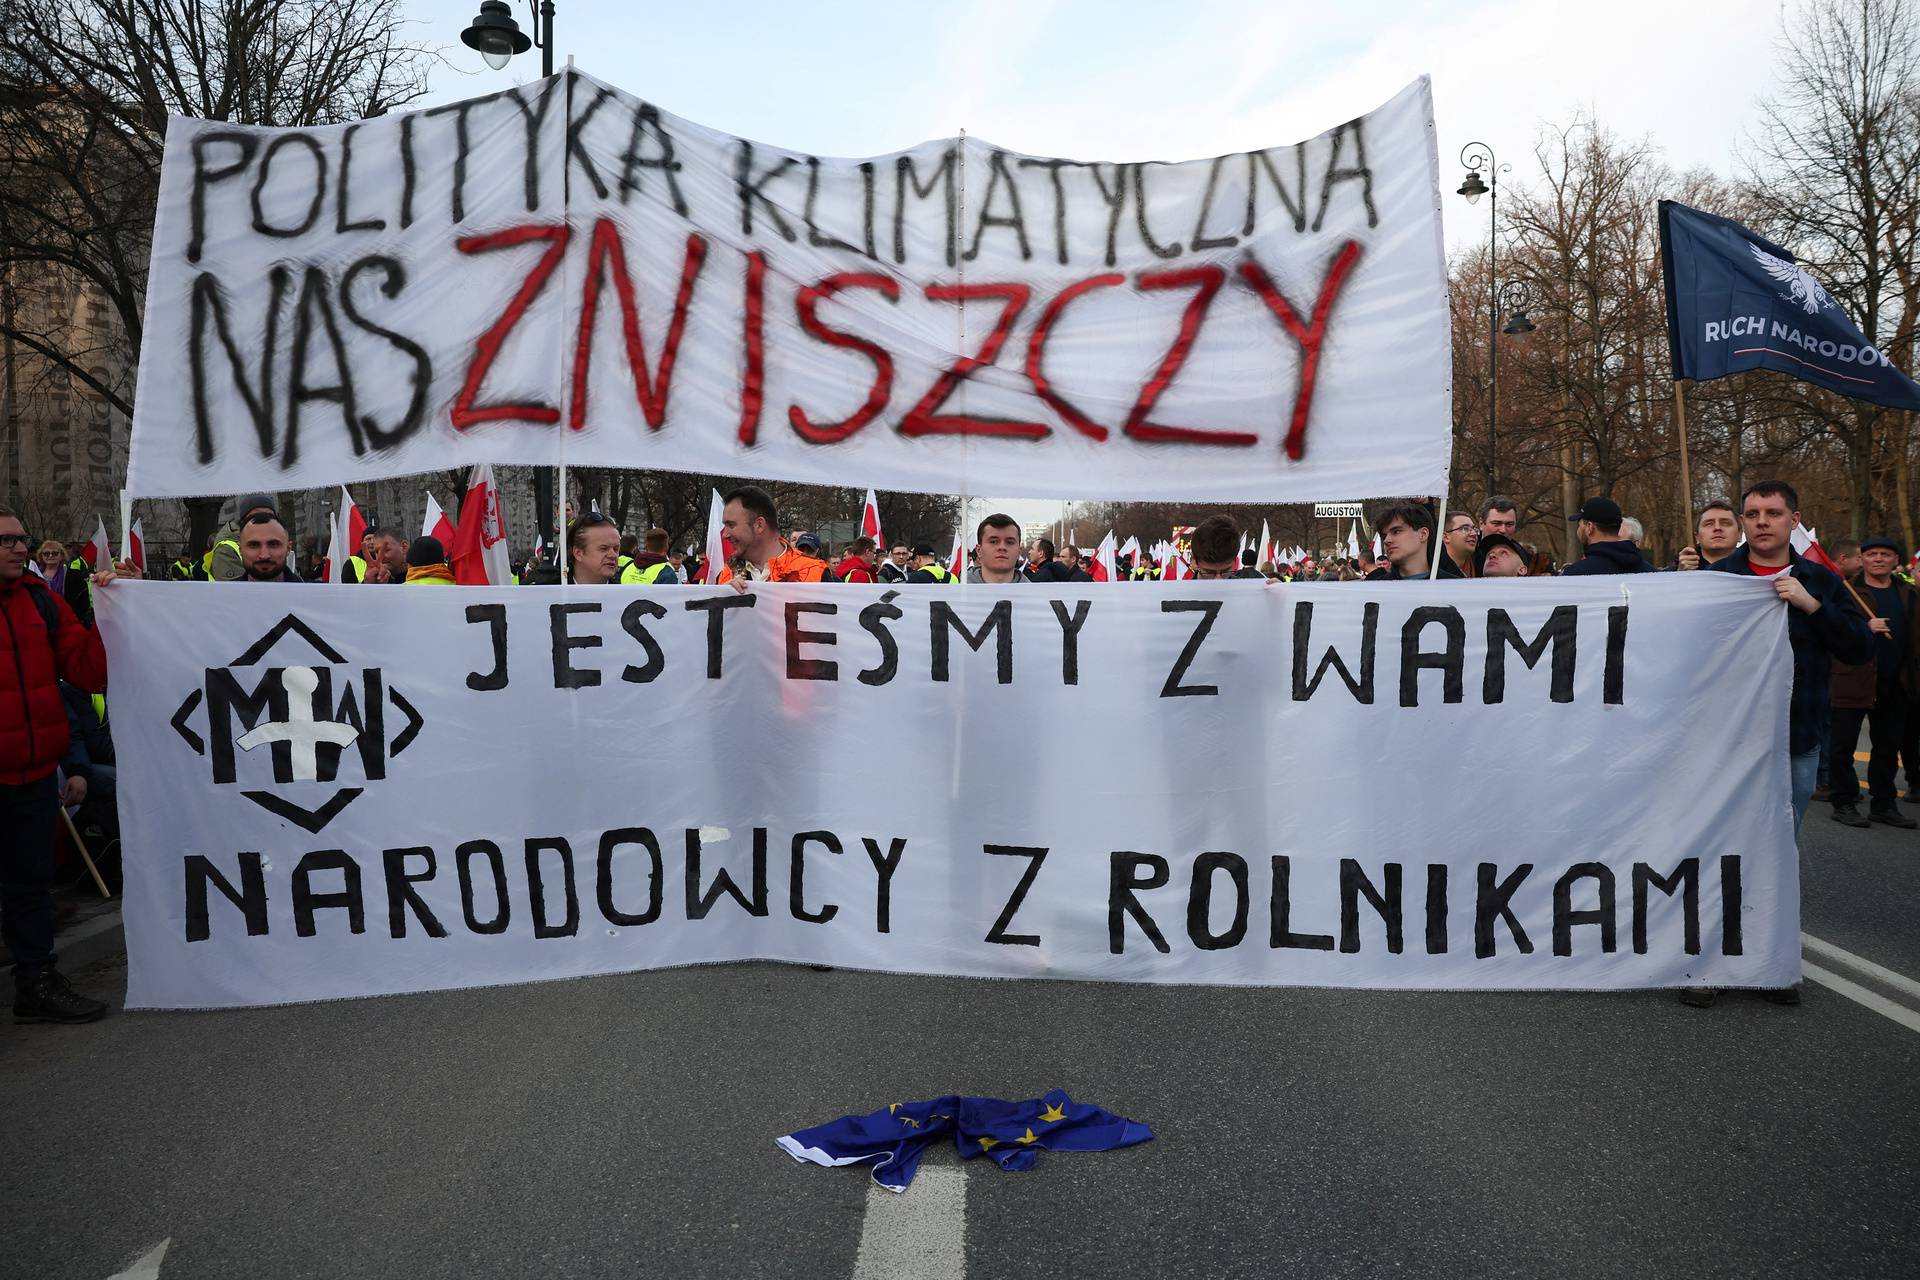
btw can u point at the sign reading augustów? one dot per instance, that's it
(470, 786)
(564, 270)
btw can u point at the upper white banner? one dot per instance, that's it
(563, 272)
(1535, 784)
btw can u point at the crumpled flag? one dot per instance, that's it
(1012, 1133)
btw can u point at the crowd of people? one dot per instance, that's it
(1854, 633)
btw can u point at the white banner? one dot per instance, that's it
(330, 792)
(562, 270)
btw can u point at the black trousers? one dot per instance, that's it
(27, 816)
(1885, 720)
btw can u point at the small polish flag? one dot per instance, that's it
(477, 546)
(437, 524)
(1105, 566)
(957, 562)
(343, 540)
(134, 549)
(1806, 542)
(870, 520)
(719, 550)
(99, 551)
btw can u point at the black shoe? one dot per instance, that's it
(1696, 997)
(1822, 792)
(1848, 811)
(1890, 814)
(1783, 995)
(46, 997)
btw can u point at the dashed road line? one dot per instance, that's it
(916, 1234)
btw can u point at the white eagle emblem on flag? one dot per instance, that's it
(1801, 286)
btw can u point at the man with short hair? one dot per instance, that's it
(760, 554)
(386, 555)
(225, 563)
(1070, 568)
(1499, 515)
(593, 551)
(1214, 549)
(1822, 626)
(1875, 692)
(1633, 531)
(1499, 556)
(263, 544)
(1371, 570)
(648, 564)
(1846, 556)
(895, 567)
(1045, 568)
(42, 643)
(1597, 525)
(996, 550)
(1406, 532)
(857, 565)
(1715, 534)
(1460, 539)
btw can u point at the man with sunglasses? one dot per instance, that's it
(41, 644)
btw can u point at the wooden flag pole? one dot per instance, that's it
(1686, 471)
(85, 857)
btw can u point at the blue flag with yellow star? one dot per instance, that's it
(1011, 1133)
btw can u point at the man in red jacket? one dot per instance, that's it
(41, 643)
(858, 565)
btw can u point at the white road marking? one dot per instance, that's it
(1861, 996)
(147, 1268)
(919, 1233)
(1860, 964)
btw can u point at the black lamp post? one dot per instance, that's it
(1477, 156)
(497, 37)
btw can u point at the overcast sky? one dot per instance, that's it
(1120, 80)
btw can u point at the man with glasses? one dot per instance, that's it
(895, 568)
(1215, 549)
(1462, 536)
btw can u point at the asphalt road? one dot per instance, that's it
(624, 1126)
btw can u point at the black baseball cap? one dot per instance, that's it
(1488, 541)
(1602, 511)
(806, 541)
(923, 549)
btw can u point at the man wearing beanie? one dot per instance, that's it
(427, 563)
(224, 562)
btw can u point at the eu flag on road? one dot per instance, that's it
(1737, 301)
(1012, 1133)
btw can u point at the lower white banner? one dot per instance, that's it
(336, 791)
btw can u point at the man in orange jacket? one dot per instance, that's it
(760, 553)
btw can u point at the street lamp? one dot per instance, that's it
(1477, 156)
(1515, 297)
(497, 37)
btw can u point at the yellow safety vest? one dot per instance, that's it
(206, 561)
(939, 571)
(359, 568)
(632, 574)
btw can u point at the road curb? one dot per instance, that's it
(90, 942)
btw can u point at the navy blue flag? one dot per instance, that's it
(1737, 301)
(1012, 1133)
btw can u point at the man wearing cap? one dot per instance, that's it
(224, 562)
(1608, 549)
(1876, 691)
(427, 563)
(927, 566)
(1498, 556)
(808, 544)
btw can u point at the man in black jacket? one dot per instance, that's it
(1823, 627)
(1608, 549)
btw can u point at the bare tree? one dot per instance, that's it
(86, 87)
(1836, 177)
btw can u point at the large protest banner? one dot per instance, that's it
(563, 271)
(1481, 785)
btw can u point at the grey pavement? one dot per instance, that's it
(624, 1126)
